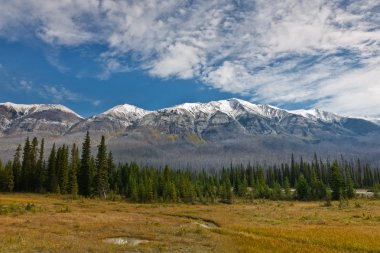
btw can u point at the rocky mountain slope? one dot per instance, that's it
(227, 118)
(18, 119)
(217, 131)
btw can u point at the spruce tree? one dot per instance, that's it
(9, 180)
(133, 186)
(26, 167)
(62, 168)
(328, 196)
(16, 168)
(302, 188)
(33, 176)
(84, 171)
(73, 175)
(287, 188)
(261, 186)
(52, 182)
(336, 181)
(102, 185)
(41, 173)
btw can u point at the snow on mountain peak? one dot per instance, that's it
(24, 109)
(232, 107)
(316, 114)
(225, 106)
(125, 111)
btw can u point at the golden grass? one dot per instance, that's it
(59, 224)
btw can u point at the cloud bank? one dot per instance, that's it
(318, 53)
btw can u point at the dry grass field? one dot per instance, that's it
(39, 223)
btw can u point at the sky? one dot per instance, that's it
(91, 55)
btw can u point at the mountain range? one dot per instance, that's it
(211, 133)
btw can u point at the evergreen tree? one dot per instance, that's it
(102, 186)
(336, 181)
(286, 186)
(261, 186)
(85, 169)
(317, 189)
(133, 188)
(350, 191)
(242, 187)
(93, 174)
(26, 167)
(16, 168)
(63, 168)
(226, 190)
(52, 182)
(33, 176)
(276, 191)
(73, 175)
(328, 196)
(9, 180)
(41, 173)
(302, 188)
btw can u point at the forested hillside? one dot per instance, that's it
(67, 172)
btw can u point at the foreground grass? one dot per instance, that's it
(37, 223)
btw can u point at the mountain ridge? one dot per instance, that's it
(215, 132)
(126, 115)
(219, 105)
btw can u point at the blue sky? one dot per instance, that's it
(91, 55)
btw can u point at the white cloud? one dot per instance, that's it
(179, 60)
(353, 93)
(96, 102)
(291, 51)
(58, 94)
(25, 85)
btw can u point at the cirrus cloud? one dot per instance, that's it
(283, 52)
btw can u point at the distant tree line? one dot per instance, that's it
(67, 172)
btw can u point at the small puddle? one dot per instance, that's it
(125, 241)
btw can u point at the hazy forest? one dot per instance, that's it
(67, 172)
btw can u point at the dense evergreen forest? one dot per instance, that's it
(66, 172)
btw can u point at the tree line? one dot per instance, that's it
(67, 172)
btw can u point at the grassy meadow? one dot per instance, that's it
(50, 223)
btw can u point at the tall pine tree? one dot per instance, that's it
(73, 175)
(26, 167)
(102, 185)
(85, 177)
(336, 181)
(16, 168)
(52, 182)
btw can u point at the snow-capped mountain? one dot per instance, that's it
(125, 112)
(114, 120)
(216, 119)
(215, 130)
(225, 119)
(16, 119)
(232, 107)
(24, 109)
(317, 114)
